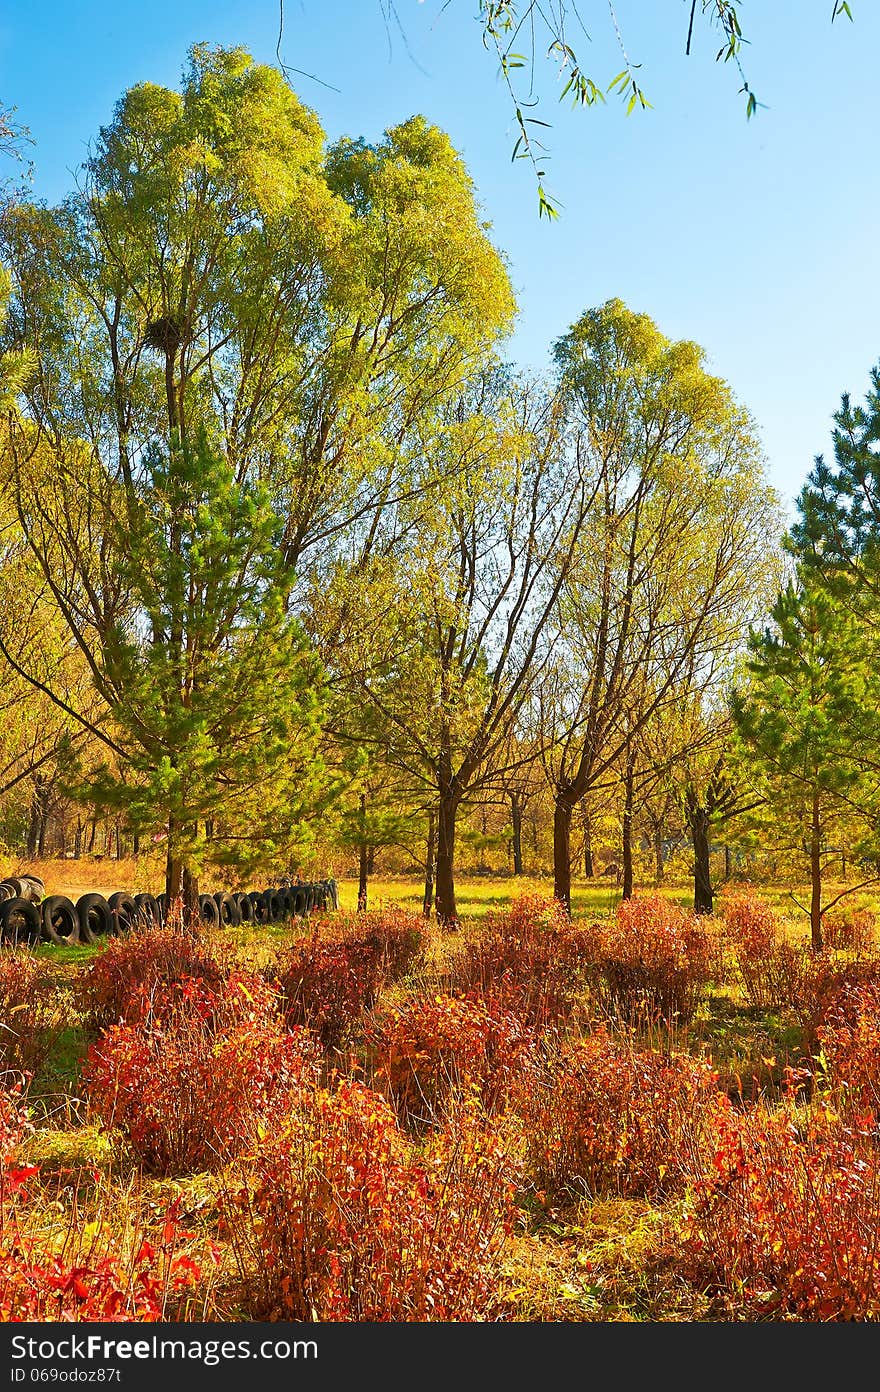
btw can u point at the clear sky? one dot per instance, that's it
(758, 239)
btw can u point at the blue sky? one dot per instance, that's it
(758, 239)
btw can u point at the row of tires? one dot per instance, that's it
(58, 920)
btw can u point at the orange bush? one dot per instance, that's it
(32, 1012)
(191, 1089)
(532, 959)
(848, 927)
(393, 936)
(436, 1047)
(768, 969)
(784, 1218)
(120, 984)
(654, 960)
(344, 1224)
(613, 1119)
(327, 985)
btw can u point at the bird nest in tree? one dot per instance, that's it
(167, 334)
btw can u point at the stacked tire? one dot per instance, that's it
(27, 916)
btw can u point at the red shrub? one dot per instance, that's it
(826, 983)
(784, 1218)
(769, 969)
(436, 1047)
(849, 928)
(655, 959)
(393, 936)
(343, 1224)
(120, 984)
(616, 1120)
(188, 1095)
(849, 1037)
(531, 959)
(32, 1011)
(89, 1278)
(327, 985)
(97, 1283)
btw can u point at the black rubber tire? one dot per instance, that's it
(227, 905)
(320, 894)
(310, 897)
(96, 919)
(60, 921)
(299, 900)
(286, 895)
(9, 889)
(124, 910)
(30, 887)
(20, 922)
(210, 913)
(245, 908)
(260, 907)
(148, 909)
(274, 905)
(162, 906)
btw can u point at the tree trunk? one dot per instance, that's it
(363, 859)
(33, 829)
(78, 840)
(589, 868)
(428, 899)
(727, 865)
(516, 820)
(562, 849)
(628, 784)
(447, 811)
(816, 875)
(118, 842)
(698, 821)
(135, 844)
(173, 869)
(93, 831)
(659, 867)
(44, 822)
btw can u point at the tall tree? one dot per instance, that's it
(673, 561)
(467, 598)
(221, 279)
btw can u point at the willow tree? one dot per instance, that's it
(446, 636)
(222, 287)
(673, 561)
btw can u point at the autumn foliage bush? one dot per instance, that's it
(531, 959)
(191, 1087)
(828, 982)
(82, 1274)
(615, 1119)
(342, 1222)
(327, 984)
(393, 936)
(849, 1039)
(654, 960)
(32, 1011)
(784, 1218)
(123, 981)
(435, 1047)
(768, 969)
(849, 927)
